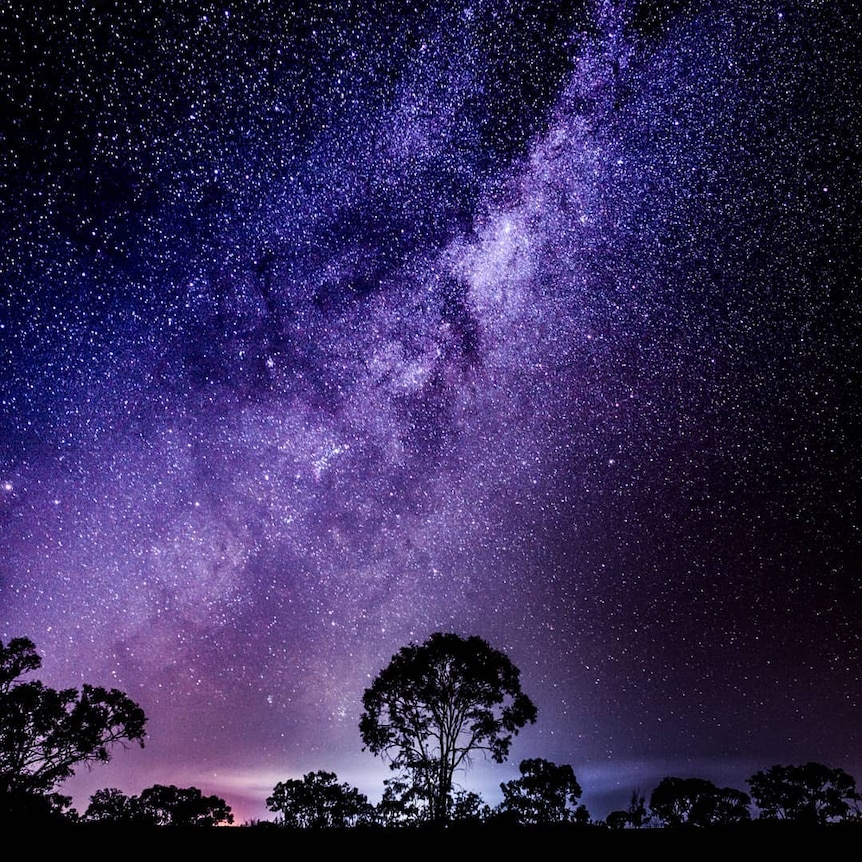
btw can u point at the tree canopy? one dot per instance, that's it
(45, 733)
(438, 703)
(169, 805)
(698, 802)
(810, 793)
(546, 792)
(111, 805)
(318, 801)
(636, 815)
(159, 805)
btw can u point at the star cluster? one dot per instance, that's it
(326, 326)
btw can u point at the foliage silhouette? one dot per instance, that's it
(428, 712)
(437, 704)
(400, 804)
(545, 793)
(317, 801)
(698, 802)
(636, 815)
(159, 805)
(617, 819)
(45, 733)
(168, 805)
(469, 807)
(811, 794)
(111, 805)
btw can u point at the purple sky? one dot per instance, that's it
(327, 326)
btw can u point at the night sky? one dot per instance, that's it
(325, 326)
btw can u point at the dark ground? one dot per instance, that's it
(460, 842)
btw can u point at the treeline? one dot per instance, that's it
(547, 794)
(434, 707)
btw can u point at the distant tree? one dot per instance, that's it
(111, 805)
(169, 805)
(636, 815)
(809, 793)
(673, 799)
(697, 802)
(728, 805)
(581, 815)
(437, 704)
(46, 734)
(617, 820)
(317, 801)
(468, 807)
(545, 793)
(259, 825)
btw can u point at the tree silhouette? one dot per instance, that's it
(317, 801)
(45, 734)
(617, 819)
(437, 704)
(468, 807)
(638, 816)
(545, 793)
(111, 805)
(811, 793)
(159, 805)
(698, 802)
(635, 815)
(168, 805)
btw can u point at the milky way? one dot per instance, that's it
(328, 326)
